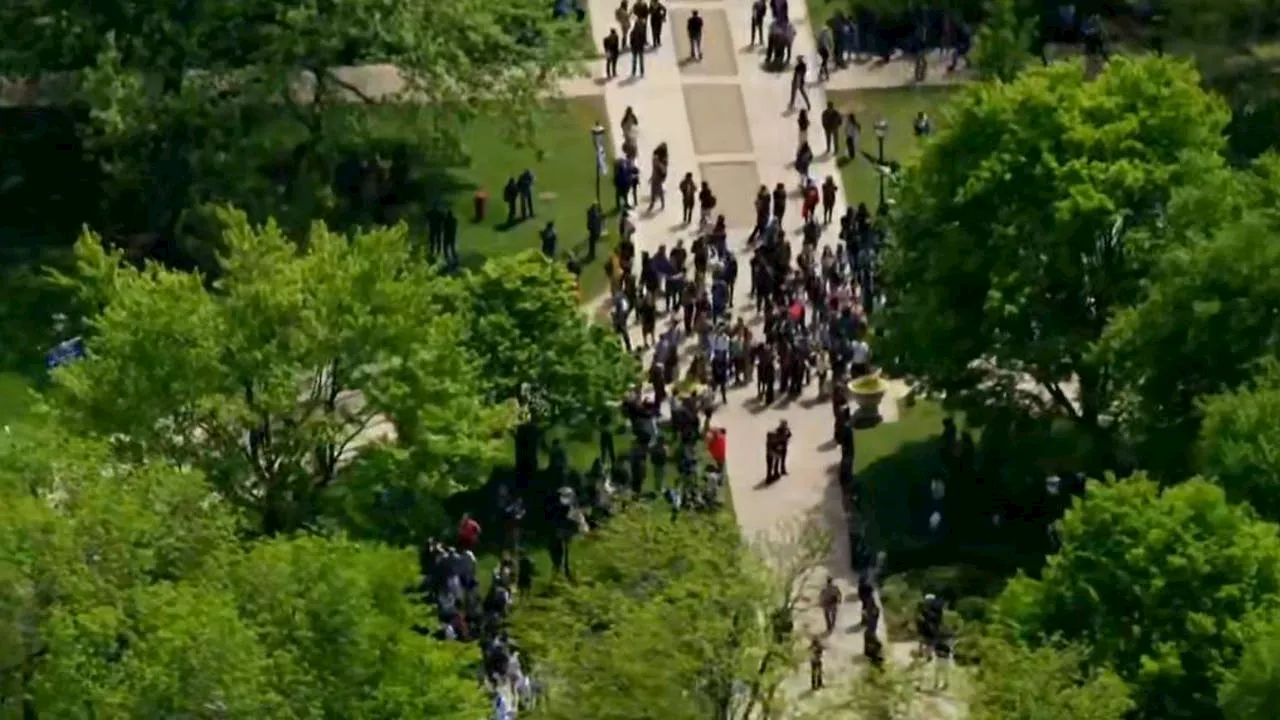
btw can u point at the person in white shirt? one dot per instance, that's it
(860, 362)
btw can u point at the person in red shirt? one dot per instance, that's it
(717, 446)
(810, 201)
(468, 532)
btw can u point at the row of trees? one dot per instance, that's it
(1079, 248)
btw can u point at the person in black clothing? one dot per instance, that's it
(525, 571)
(641, 12)
(549, 240)
(798, 76)
(694, 27)
(525, 186)
(779, 202)
(828, 199)
(762, 214)
(639, 40)
(595, 229)
(612, 50)
(435, 222)
(831, 120)
(758, 10)
(606, 439)
(510, 194)
(815, 664)
(783, 436)
(688, 196)
(657, 18)
(449, 236)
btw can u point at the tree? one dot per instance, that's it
(1207, 319)
(1252, 691)
(536, 348)
(217, 98)
(1045, 683)
(669, 618)
(282, 379)
(1002, 45)
(1158, 585)
(1239, 443)
(1030, 218)
(127, 593)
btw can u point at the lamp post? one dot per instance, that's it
(882, 129)
(597, 139)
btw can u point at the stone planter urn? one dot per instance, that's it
(867, 392)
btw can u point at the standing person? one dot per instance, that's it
(688, 195)
(449, 236)
(830, 598)
(802, 124)
(828, 199)
(549, 239)
(758, 10)
(641, 12)
(638, 40)
(852, 131)
(657, 19)
(658, 177)
(468, 532)
(783, 437)
(770, 452)
(831, 128)
(595, 229)
(612, 49)
(511, 195)
(623, 16)
(815, 663)
(706, 203)
(694, 28)
(797, 84)
(525, 186)
(762, 214)
(779, 203)
(824, 54)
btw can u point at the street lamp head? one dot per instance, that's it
(882, 127)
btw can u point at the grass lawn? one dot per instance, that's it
(564, 168)
(14, 398)
(898, 106)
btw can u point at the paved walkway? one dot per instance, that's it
(725, 120)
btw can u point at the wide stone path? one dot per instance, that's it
(725, 120)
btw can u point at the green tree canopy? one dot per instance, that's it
(1044, 683)
(127, 593)
(285, 375)
(535, 345)
(201, 101)
(1239, 444)
(1002, 45)
(1158, 585)
(668, 618)
(1032, 216)
(1208, 318)
(1252, 692)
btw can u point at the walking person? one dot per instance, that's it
(797, 84)
(825, 43)
(815, 663)
(612, 50)
(694, 28)
(828, 199)
(830, 598)
(802, 124)
(852, 132)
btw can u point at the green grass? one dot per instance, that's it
(564, 167)
(898, 106)
(15, 398)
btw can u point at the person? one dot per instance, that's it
(595, 229)
(929, 625)
(468, 532)
(717, 446)
(922, 125)
(829, 191)
(852, 131)
(830, 598)
(706, 203)
(623, 16)
(525, 185)
(815, 663)
(783, 437)
(804, 160)
(809, 204)
(802, 124)
(548, 236)
(641, 13)
(639, 34)
(758, 10)
(797, 84)
(831, 127)
(658, 178)
(694, 28)
(612, 50)
(688, 195)
(657, 18)
(510, 195)
(825, 43)
(630, 125)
